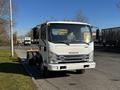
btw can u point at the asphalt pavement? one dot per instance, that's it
(106, 75)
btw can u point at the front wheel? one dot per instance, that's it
(82, 71)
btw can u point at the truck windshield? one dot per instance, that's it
(69, 33)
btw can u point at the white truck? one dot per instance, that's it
(27, 41)
(65, 45)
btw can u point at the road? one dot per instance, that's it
(106, 76)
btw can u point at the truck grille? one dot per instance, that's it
(74, 58)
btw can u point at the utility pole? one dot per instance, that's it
(11, 29)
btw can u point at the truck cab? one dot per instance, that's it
(66, 46)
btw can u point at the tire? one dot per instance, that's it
(32, 62)
(82, 71)
(29, 62)
(39, 59)
(30, 59)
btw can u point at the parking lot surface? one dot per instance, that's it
(106, 75)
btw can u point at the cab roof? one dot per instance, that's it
(66, 22)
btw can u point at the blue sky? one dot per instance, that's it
(100, 13)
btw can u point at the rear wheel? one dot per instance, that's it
(30, 59)
(30, 62)
(82, 71)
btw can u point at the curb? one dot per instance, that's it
(33, 79)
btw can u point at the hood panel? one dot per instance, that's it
(73, 49)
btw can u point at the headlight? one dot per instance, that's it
(52, 57)
(61, 57)
(86, 57)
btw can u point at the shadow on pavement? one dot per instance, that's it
(52, 75)
(14, 68)
(56, 74)
(35, 72)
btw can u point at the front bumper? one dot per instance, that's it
(71, 66)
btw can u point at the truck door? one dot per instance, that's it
(44, 43)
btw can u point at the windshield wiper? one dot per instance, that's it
(86, 43)
(65, 42)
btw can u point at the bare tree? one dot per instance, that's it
(30, 34)
(15, 38)
(4, 38)
(4, 21)
(4, 9)
(80, 17)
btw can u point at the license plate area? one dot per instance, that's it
(86, 66)
(62, 67)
